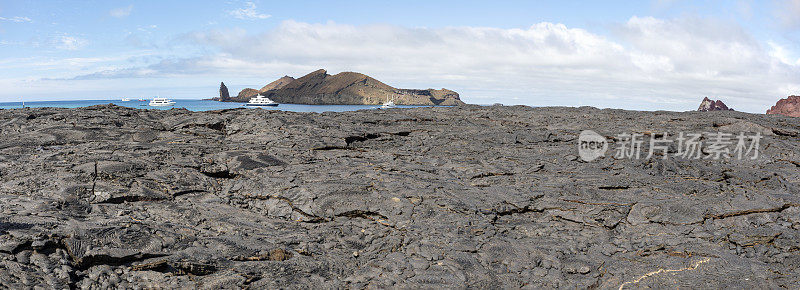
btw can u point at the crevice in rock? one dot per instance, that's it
(274, 255)
(750, 211)
(784, 132)
(313, 218)
(361, 214)
(225, 174)
(94, 178)
(614, 187)
(21, 247)
(352, 139)
(597, 203)
(327, 148)
(219, 126)
(129, 198)
(176, 268)
(490, 174)
(189, 191)
(4, 226)
(518, 210)
(87, 262)
(795, 163)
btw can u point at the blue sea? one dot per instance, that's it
(192, 105)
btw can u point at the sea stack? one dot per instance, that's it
(789, 106)
(223, 92)
(712, 105)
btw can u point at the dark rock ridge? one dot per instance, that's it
(223, 92)
(346, 88)
(708, 105)
(445, 197)
(789, 106)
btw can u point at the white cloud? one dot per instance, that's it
(248, 13)
(67, 42)
(17, 19)
(788, 12)
(649, 64)
(782, 54)
(121, 12)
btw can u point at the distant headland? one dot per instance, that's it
(346, 88)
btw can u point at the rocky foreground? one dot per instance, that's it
(484, 197)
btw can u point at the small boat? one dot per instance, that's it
(261, 101)
(161, 102)
(126, 100)
(142, 100)
(388, 105)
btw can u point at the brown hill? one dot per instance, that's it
(789, 106)
(346, 88)
(246, 94)
(277, 84)
(351, 88)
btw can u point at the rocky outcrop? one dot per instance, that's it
(223, 92)
(789, 106)
(708, 105)
(351, 88)
(455, 197)
(277, 84)
(346, 88)
(246, 94)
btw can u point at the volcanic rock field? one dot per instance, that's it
(454, 197)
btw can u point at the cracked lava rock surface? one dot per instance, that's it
(469, 196)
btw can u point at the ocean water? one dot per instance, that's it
(192, 105)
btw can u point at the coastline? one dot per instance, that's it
(192, 105)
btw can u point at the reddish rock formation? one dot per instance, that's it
(711, 105)
(789, 106)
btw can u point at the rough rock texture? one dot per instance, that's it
(277, 84)
(708, 105)
(467, 196)
(223, 92)
(789, 106)
(347, 88)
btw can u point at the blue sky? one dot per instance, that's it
(622, 54)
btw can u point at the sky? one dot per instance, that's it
(641, 55)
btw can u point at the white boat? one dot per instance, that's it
(126, 100)
(161, 102)
(261, 101)
(388, 105)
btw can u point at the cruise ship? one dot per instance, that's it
(261, 101)
(161, 102)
